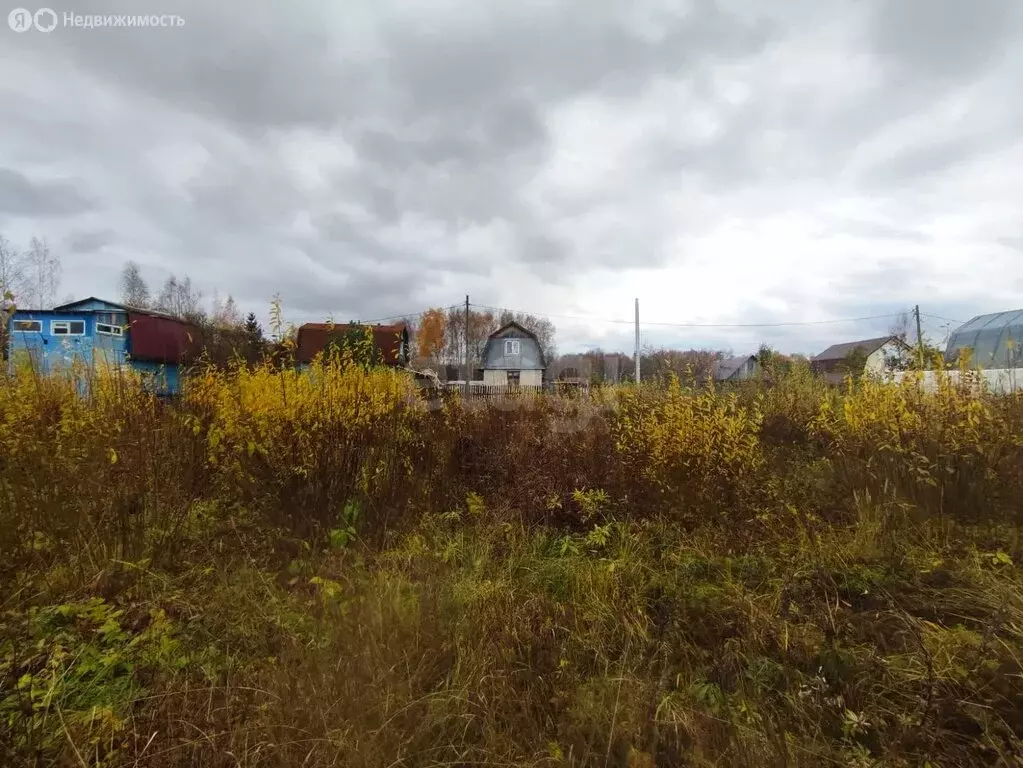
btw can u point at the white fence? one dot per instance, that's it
(1000, 381)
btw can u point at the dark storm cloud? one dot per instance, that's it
(350, 295)
(250, 63)
(89, 242)
(20, 195)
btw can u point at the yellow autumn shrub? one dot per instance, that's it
(306, 440)
(943, 448)
(64, 439)
(695, 451)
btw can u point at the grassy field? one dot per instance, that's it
(326, 570)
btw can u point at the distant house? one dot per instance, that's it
(836, 362)
(569, 370)
(92, 330)
(582, 369)
(736, 368)
(512, 357)
(391, 342)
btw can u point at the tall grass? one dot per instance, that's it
(326, 569)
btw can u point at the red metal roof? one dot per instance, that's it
(313, 337)
(162, 339)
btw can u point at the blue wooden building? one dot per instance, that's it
(93, 331)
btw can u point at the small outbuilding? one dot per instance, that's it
(390, 342)
(736, 368)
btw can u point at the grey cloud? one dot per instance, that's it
(89, 242)
(20, 195)
(562, 50)
(253, 64)
(925, 51)
(238, 196)
(944, 39)
(923, 161)
(486, 134)
(363, 297)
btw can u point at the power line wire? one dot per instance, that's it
(940, 317)
(580, 318)
(692, 325)
(406, 314)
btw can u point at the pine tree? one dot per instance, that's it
(255, 341)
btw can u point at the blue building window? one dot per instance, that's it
(109, 330)
(67, 327)
(112, 318)
(28, 326)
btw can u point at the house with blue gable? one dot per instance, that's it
(93, 331)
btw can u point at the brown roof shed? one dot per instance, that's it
(162, 339)
(391, 341)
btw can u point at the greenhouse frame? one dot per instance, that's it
(994, 341)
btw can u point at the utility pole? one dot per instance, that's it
(467, 345)
(919, 336)
(637, 341)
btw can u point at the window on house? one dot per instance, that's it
(111, 318)
(511, 346)
(67, 327)
(109, 330)
(28, 326)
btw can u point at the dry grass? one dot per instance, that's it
(322, 570)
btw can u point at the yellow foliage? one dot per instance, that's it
(933, 445)
(700, 448)
(268, 425)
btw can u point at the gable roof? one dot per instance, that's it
(114, 306)
(728, 366)
(526, 334)
(512, 324)
(313, 337)
(868, 346)
(78, 302)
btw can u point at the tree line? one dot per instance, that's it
(443, 339)
(226, 335)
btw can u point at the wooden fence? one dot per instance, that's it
(480, 391)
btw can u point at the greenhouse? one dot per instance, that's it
(993, 341)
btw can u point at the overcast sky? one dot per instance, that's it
(726, 162)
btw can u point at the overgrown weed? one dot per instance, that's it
(321, 569)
